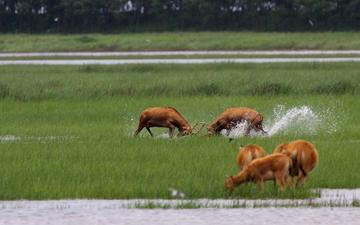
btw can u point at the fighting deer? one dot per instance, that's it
(163, 117)
(232, 116)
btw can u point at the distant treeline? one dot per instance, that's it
(161, 15)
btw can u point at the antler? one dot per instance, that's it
(196, 130)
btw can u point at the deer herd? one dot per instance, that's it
(289, 161)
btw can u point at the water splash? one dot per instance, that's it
(7, 138)
(298, 120)
(13, 138)
(301, 120)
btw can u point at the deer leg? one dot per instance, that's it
(148, 129)
(280, 180)
(171, 132)
(140, 127)
(302, 177)
(171, 129)
(247, 132)
(138, 131)
(260, 184)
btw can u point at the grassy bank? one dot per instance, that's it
(88, 82)
(179, 41)
(66, 132)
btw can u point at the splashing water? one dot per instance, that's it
(301, 120)
(7, 138)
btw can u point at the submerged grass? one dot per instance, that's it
(179, 41)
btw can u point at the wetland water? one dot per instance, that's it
(175, 61)
(158, 53)
(125, 212)
(258, 216)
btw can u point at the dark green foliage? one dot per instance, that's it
(155, 15)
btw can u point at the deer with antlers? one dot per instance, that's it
(232, 116)
(167, 117)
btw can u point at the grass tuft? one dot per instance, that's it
(270, 89)
(4, 90)
(85, 39)
(338, 88)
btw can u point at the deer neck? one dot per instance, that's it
(240, 178)
(183, 125)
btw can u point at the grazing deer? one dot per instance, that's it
(248, 153)
(304, 158)
(272, 167)
(163, 117)
(231, 116)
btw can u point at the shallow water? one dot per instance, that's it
(214, 212)
(175, 61)
(258, 216)
(42, 139)
(155, 53)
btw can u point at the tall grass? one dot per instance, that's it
(88, 82)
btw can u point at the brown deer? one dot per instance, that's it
(248, 153)
(163, 117)
(272, 167)
(304, 158)
(231, 116)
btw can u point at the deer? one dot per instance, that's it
(304, 158)
(248, 153)
(232, 116)
(272, 167)
(167, 117)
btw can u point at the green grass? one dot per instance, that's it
(89, 82)
(76, 137)
(179, 41)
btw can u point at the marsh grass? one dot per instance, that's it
(98, 107)
(88, 82)
(179, 41)
(104, 160)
